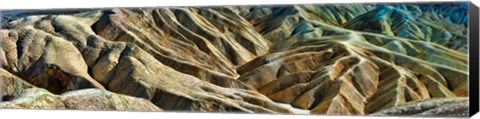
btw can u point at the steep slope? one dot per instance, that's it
(393, 21)
(344, 59)
(359, 78)
(338, 71)
(16, 93)
(125, 64)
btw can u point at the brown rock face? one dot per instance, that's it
(320, 59)
(331, 76)
(95, 99)
(32, 98)
(86, 99)
(127, 66)
(453, 107)
(16, 93)
(11, 83)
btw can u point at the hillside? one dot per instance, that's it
(338, 59)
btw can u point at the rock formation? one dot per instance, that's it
(346, 59)
(447, 107)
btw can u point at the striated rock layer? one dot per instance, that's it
(345, 59)
(446, 107)
(17, 93)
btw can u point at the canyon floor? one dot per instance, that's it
(333, 59)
